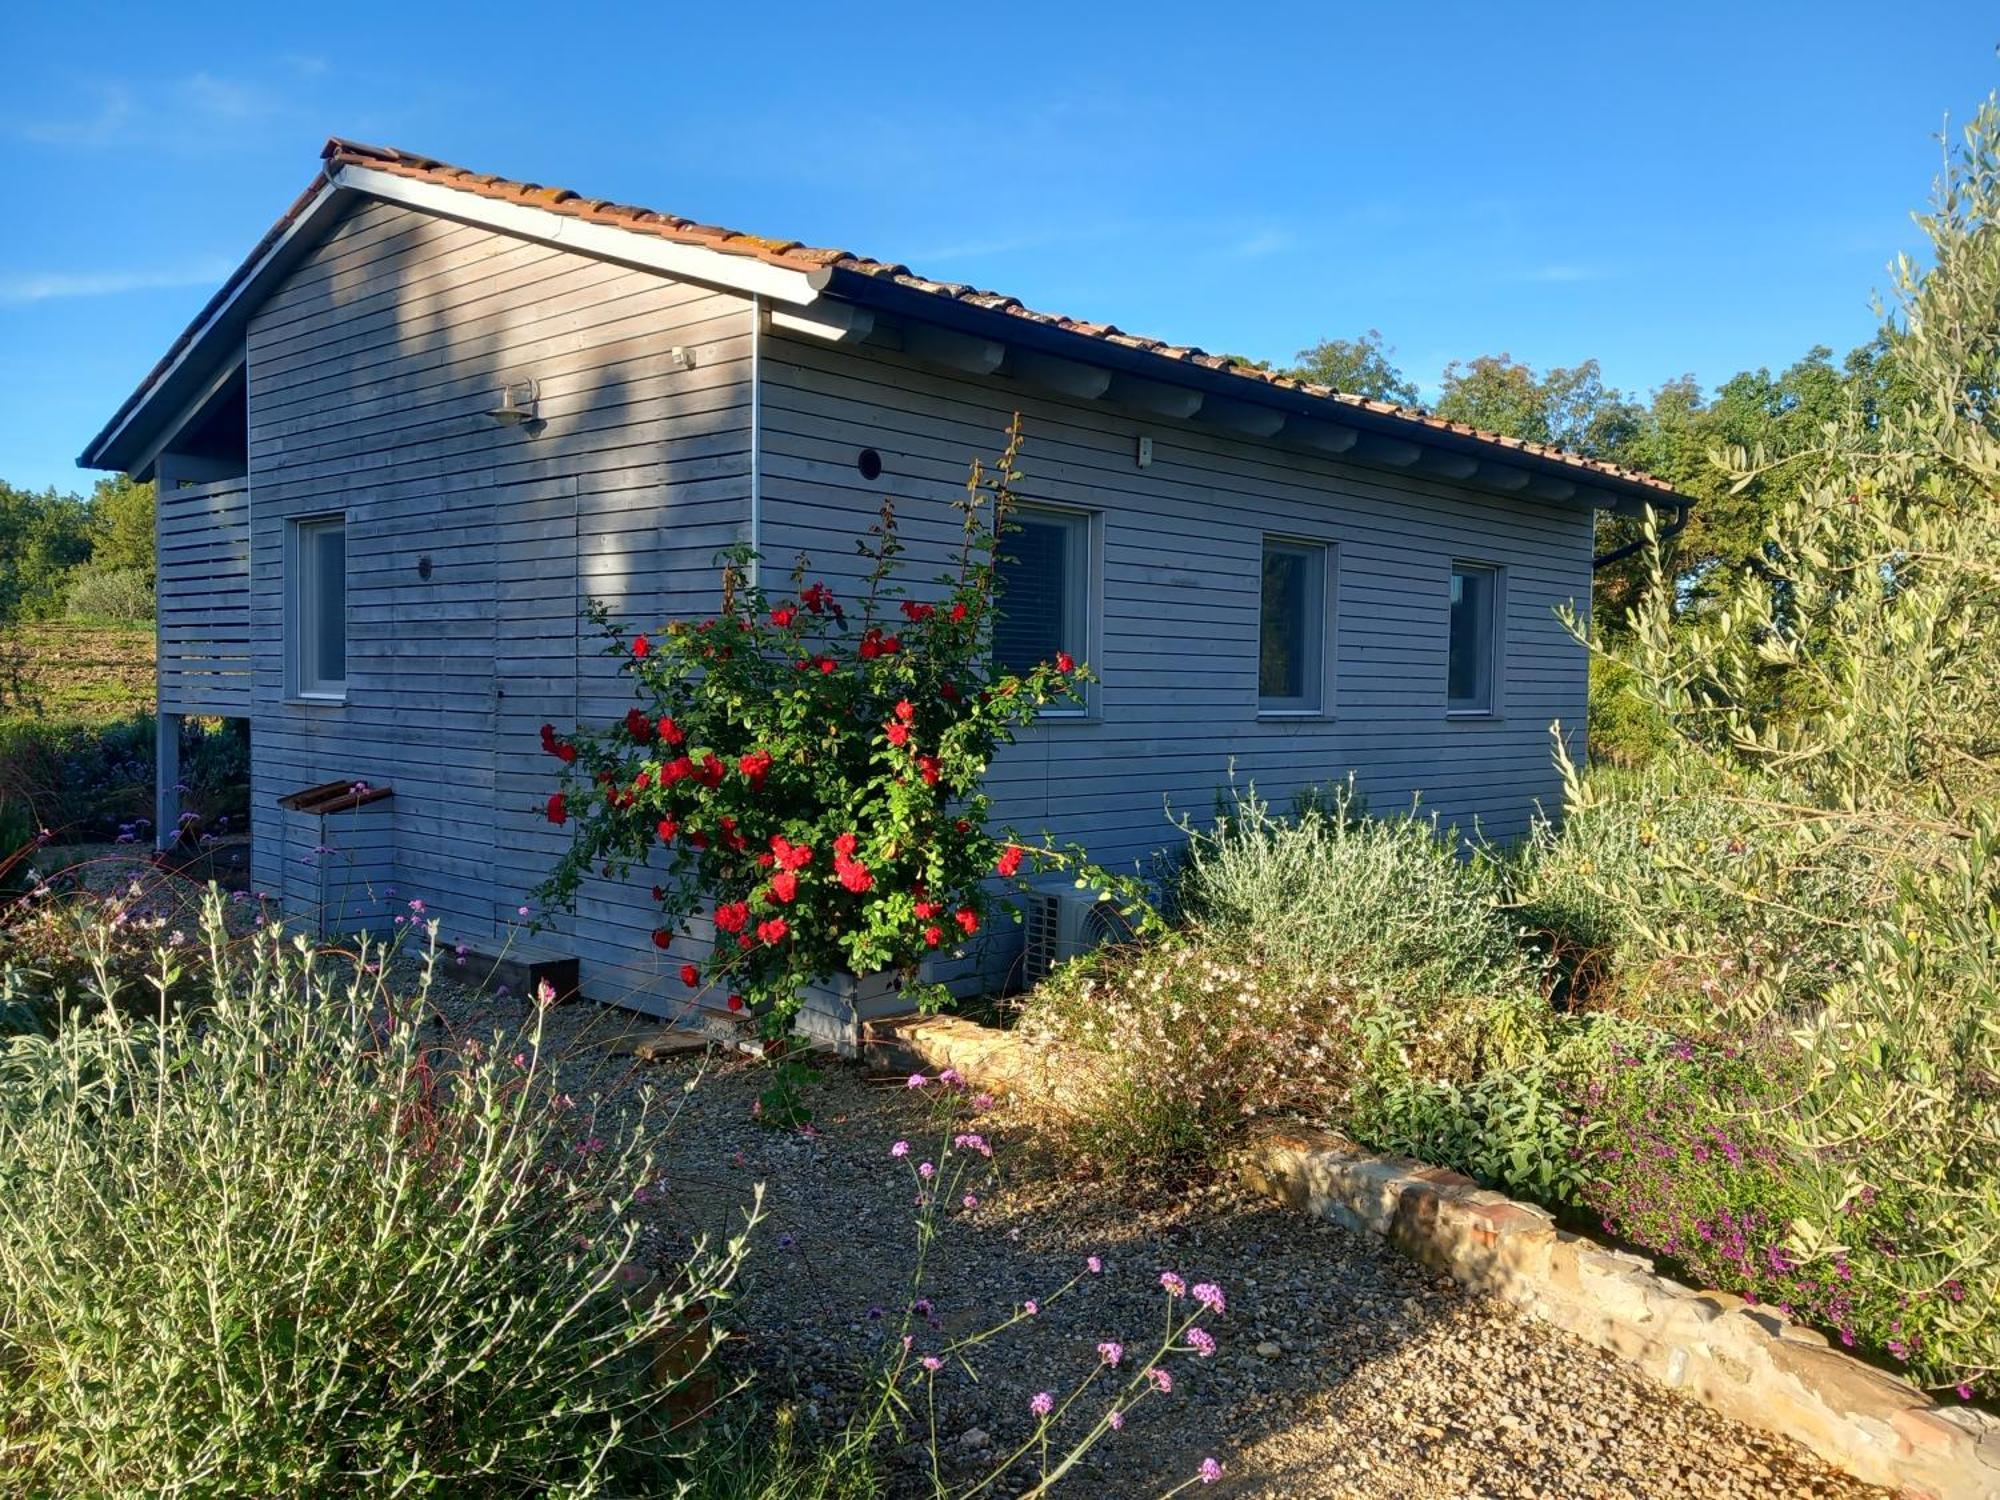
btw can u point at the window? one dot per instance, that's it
(1469, 672)
(1291, 639)
(1044, 577)
(318, 607)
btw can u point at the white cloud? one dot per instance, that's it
(18, 287)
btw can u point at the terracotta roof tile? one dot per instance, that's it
(796, 256)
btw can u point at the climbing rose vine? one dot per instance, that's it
(803, 771)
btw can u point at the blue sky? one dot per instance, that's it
(1699, 187)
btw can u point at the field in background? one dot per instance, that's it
(56, 671)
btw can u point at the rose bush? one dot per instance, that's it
(804, 769)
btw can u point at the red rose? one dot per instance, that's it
(678, 769)
(917, 613)
(933, 935)
(661, 937)
(638, 726)
(783, 616)
(925, 910)
(697, 838)
(773, 931)
(755, 767)
(1065, 662)
(826, 665)
(1009, 862)
(899, 734)
(928, 766)
(732, 916)
(640, 646)
(958, 612)
(817, 597)
(643, 780)
(784, 886)
(710, 772)
(566, 753)
(690, 975)
(853, 875)
(905, 710)
(962, 826)
(792, 856)
(736, 1002)
(949, 692)
(967, 918)
(666, 829)
(558, 809)
(844, 845)
(670, 732)
(870, 647)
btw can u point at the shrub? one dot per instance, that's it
(809, 780)
(1386, 900)
(95, 781)
(117, 595)
(1171, 1050)
(302, 1242)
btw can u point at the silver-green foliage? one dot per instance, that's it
(1840, 704)
(295, 1241)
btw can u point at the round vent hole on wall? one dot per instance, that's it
(869, 463)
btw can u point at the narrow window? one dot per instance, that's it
(1292, 628)
(319, 607)
(1469, 672)
(1044, 578)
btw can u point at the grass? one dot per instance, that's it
(61, 671)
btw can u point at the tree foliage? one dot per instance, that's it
(48, 537)
(1360, 367)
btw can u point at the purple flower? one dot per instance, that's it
(932, 1363)
(1209, 1295)
(1111, 1351)
(926, 1171)
(972, 1142)
(1163, 1381)
(1965, 1393)
(1043, 1404)
(917, 1081)
(1210, 1471)
(1201, 1341)
(1031, 1307)
(970, 1200)
(1173, 1283)
(900, 1150)
(948, 1076)
(1117, 1421)
(982, 1102)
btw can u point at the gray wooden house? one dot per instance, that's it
(435, 411)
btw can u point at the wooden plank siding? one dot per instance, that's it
(370, 372)
(201, 537)
(1176, 592)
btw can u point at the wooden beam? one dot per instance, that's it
(1326, 437)
(1376, 449)
(1502, 477)
(835, 322)
(956, 351)
(1448, 465)
(1154, 396)
(1242, 416)
(1065, 377)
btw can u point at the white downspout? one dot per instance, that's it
(756, 436)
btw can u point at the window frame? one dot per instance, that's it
(1082, 589)
(1496, 615)
(1319, 704)
(302, 614)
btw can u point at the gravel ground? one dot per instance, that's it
(1343, 1369)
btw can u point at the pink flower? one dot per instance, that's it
(1201, 1341)
(1111, 1351)
(1043, 1404)
(1163, 1382)
(900, 1149)
(1031, 1307)
(1117, 1420)
(1209, 1295)
(917, 1081)
(932, 1363)
(1173, 1283)
(970, 1200)
(1092, 1264)
(926, 1171)
(1210, 1471)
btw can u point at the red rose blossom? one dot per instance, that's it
(736, 1002)
(784, 886)
(558, 809)
(1009, 862)
(933, 935)
(967, 918)
(662, 937)
(670, 732)
(899, 734)
(783, 616)
(640, 646)
(731, 916)
(772, 931)
(1065, 662)
(690, 975)
(666, 829)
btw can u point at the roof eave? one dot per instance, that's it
(886, 295)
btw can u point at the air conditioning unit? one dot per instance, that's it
(1061, 919)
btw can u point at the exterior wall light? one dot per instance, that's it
(517, 404)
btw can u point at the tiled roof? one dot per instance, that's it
(794, 255)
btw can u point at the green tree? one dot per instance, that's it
(43, 536)
(121, 524)
(1358, 367)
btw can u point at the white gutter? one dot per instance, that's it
(626, 244)
(756, 435)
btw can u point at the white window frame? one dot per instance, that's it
(1496, 653)
(302, 613)
(1081, 591)
(1319, 675)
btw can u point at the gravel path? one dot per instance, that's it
(1343, 1369)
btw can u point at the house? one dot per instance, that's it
(435, 411)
